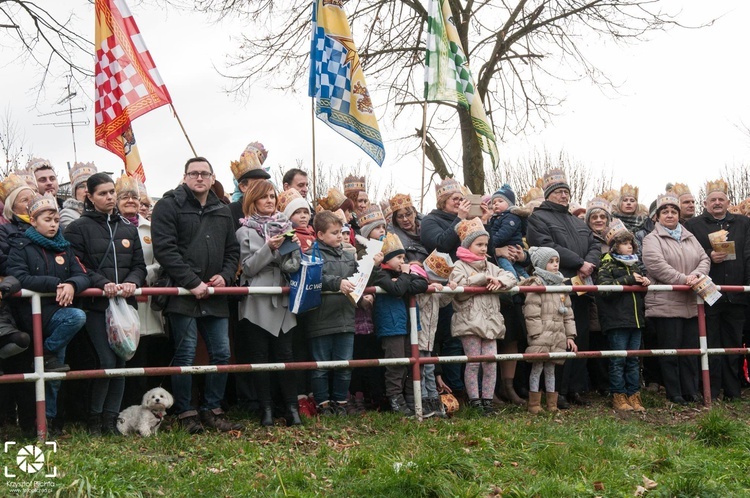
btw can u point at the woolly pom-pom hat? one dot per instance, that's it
(540, 256)
(506, 193)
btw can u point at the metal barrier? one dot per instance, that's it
(415, 361)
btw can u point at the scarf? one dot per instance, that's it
(237, 194)
(632, 222)
(134, 220)
(56, 243)
(268, 226)
(676, 234)
(627, 260)
(548, 277)
(467, 256)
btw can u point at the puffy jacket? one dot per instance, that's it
(478, 314)
(732, 272)
(70, 212)
(506, 228)
(619, 310)
(109, 248)
(429, 309)
(412, 242)
(551, 225)
(547, 329)
(438, 231)
(335, 315)
(42, 270)
(193, 243)
(15, 228)
(390, 312)
(670, 262)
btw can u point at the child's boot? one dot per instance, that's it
(398, 405)
(475, 403)
(488, 407)
(552, 402)
(634, 400)
(534, 405)
(620, 403)
(439, 407)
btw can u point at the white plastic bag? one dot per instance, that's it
(123, 328)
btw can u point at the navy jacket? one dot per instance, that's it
(391, 312)
(438, 231)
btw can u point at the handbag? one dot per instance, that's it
(159, 302)
(306, 284)
(123, 328)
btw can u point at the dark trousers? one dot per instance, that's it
(679, 373)
(572, 376)
(153, 351)
(651, 367)
(447, 345)
(397, 377)
(247, 398)
(724, 323)
(367, 380)
(106, 393)
(268, 348)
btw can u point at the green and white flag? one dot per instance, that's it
(447, 77)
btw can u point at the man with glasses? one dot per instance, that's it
(194, 242)
(552, 225)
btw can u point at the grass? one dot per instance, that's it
(588, 452)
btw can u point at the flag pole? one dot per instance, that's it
(312, 116)
(195, 154)
(424, 147)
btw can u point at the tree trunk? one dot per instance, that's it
(473, 162)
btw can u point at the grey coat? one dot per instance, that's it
(260, 268)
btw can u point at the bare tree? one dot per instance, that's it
(516, 50)
(12, 143)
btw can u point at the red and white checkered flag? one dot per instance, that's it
(128, 84)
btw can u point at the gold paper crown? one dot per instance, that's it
(387, 211)
(285, 197)
(599, 203)
(629, 191)
(142, 192)
(9, 184)
(252, 158)
(610, 195)
(680, 189)
(554, 177)
(126, 184)
(80, 172)
(42, 203)
(372, 214)
(333, 200)
(340, 215)
(534, 193)
(667, 198)
(717, 186)
(391, 244)
(439, 264)
(613, 229)
(447, 187)
(36, 163)
(354, 184)
(735, 209)
(400, 201)
(467, 227)
(744, 206)
(574, 208)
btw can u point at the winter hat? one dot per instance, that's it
(371, 219)
(652, 209)
(290, 201)
(250, 165)
(392, 247)
(505, 193)
(469, 230)
(80, 172)
(540, 256)
(620, 237)
(438, 266)
(553, 180)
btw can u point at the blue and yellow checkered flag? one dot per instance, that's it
(337, 81)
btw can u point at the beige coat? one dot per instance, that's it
(548, 330)
(151, 321)
(429, 308)
(478, 314)
(669, 262)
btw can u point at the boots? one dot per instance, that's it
(535, 403)
(620, 403)
(439, 407)
(552, 402)
(94, 424)
(398, 405)
(635, 401)
(510, 393)
(476, 403)
(488, 407)
(108, 424)
(292, 415)
(266, 416)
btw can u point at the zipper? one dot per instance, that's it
(114, 250)
(635, 304)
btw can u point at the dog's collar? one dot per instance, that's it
(158, 415)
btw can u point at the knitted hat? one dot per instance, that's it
(447, 187)
(371, 219)
(469, 230)
(127, 183)
(438, 266)
(614, 229)
(540, 256)
(250, 165)
(505, 193)
(392, 247)
(553, 180)
(652, 209)
(80, 172)
(42, 203)
(353, 185)
(289, 201)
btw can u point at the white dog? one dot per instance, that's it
(145, 418)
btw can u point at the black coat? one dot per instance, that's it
(619, 310)
(42, 270)
(15, 228)
(193, 243)
(412, 243)
(734, 272)
(552, 225)
(438, 231)
(109, 248)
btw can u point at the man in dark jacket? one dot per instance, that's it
(552, 225)
(726, 318)
(194, 241)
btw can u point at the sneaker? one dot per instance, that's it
(52, 364)
(398, 405)
(191, 424)
(218, 420)
(488, 407)
(440, 412)
(339, 408)
(325, 409)
(306, 407)
(428, 408)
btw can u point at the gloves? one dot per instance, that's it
(9, 286)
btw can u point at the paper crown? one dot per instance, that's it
(629, 191)
(285, 197)
(9, 184)
(28, 176)
(617, 226)
(735, 209)
(717, 186)
(468, 227)
(554, 179)
(385, 206)
(679, 189)
(80, 172)
(339, 213)
(354, 184)
(534, 193)
(42, 203)
(392, 246)
(438, 265)
(744, 206)
(575, 209)
(251, 159)
(36, 163)
(667, 198)
(449, 186)
(333, 200)
(142, 192)
(599, 203)
(372, 214)
(610, 195)
(400, 201)
(126, 183)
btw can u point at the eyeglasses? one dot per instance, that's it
(144, 205)
(128, 195)
(203, 174)
(404, 216)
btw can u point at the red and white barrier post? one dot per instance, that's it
(41, 405)
(416, 365)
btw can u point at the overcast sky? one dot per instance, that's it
(681, 97)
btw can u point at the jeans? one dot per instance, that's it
(516, 269)
(624, 373)
(215, 333)
(106, 393)
(334, 347)
(64, 324)
(429, 384)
